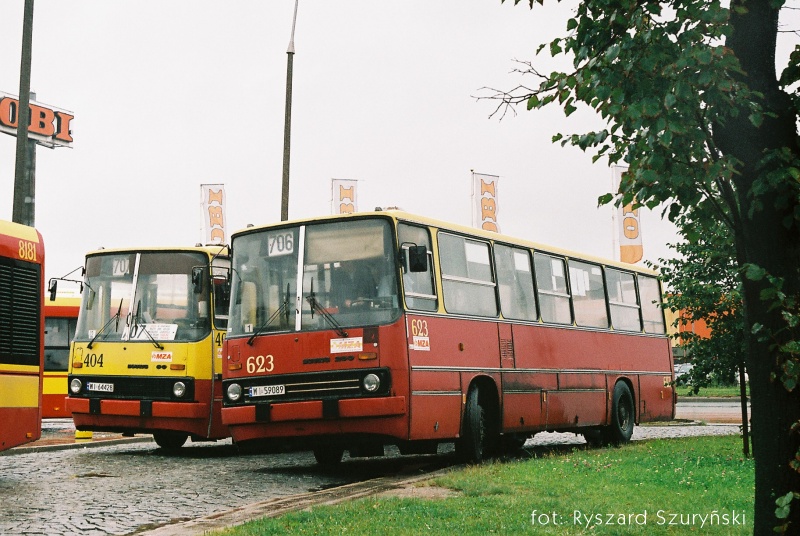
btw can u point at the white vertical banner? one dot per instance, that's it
(628, 224)
(485, 207)
(344, 196)
(212, 205)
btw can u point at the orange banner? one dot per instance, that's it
(213, 208)
(628, 225)
(485, 206)
(344, 199)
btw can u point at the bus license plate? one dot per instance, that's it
(267, 390)
(101, 387)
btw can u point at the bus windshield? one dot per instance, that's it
(346, 272)
(150, 296)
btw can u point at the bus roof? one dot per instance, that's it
(17, 230)
(402, 216)
(211, 251)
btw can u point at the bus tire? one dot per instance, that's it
(169, 439)
(471, 446)
(620, 429)
(328, 455)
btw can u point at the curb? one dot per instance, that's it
(33, 448)
(283, 505)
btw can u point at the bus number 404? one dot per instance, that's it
(93, 360)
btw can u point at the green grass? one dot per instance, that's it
(640, 486)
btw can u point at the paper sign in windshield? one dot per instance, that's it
(158, 332)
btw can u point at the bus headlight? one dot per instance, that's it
(371, 383)
(179, 389)
(234, 392)
(75, 386)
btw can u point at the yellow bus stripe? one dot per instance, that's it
(19, 391)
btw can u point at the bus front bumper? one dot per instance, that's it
(315, 410)
(138, 408)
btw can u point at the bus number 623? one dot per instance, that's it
(260, 363)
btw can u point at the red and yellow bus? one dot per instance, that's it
(60, 320)
(147, 351)
(353, 332)
(21, 321)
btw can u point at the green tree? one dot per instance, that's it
(703, 284)
(693, 104)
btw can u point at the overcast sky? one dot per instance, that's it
(171, 95)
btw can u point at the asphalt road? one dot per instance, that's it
(711, 410)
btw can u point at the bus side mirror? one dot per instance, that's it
(416, 259)
(52, 286)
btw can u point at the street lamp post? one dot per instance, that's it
(287, 130)
(24, 186)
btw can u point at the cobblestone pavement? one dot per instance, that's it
(114, 488)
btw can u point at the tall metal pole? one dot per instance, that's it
(23, 210)
(287, 130)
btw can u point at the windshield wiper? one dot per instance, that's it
(315, 306)
(101, 330)
(284, 308)
(135, 326)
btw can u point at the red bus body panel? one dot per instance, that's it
(547, 378)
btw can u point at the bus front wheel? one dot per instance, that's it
(471, 446)
(170, 440)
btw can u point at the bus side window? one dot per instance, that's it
(650, 298)
(622, 301)
(418, 287)
(467, 283)
(588, 294)
(515, 282)
(551, 285)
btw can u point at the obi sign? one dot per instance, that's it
(485, 207)
(212, 202)
(49, 126)
(344, 196)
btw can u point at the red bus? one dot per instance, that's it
(21, 321)
(354, 332)
(60, 320)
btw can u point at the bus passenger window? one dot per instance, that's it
(652, 314)
(588, 294)
(467, 282)
(551, 285)
(622, 300)
(515, 283)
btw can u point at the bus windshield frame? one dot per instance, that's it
(168, 289)
(347, 273)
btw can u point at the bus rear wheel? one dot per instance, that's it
(170, 440)
(622, 415)
(471, 446)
